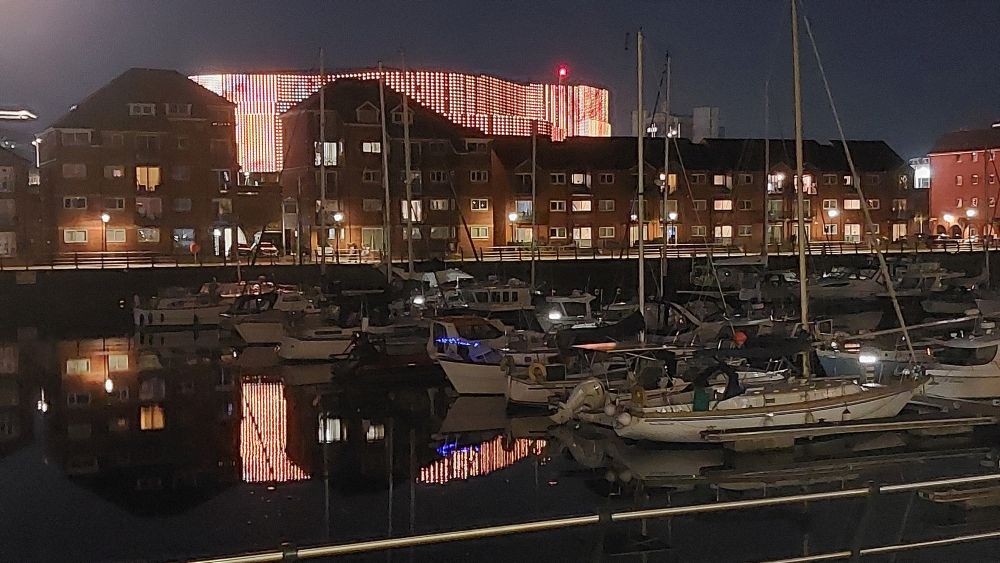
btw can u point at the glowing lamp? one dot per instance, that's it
(217, 232)
(419, 300)
(105, 217)
(109, 385)
(634, 217)
(563, 71)
(554, 315)
(971, 212)
(948, 218)
(512, 216)
(867, 359)
(338, 216)
(672, 215)
(832, 213)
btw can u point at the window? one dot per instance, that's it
(830, 204)
(147, 178)
(151, 417)
(724, 232)
(479, 232)
(974, 202)
(606, 232)
(183, 143)
(440, 204)
(606, 205)
(147, 142)
(698, 178)
(558, 178)
(224, 180)
(75, 236)
(829, 179)
(700, 205)
(182, 204)
(74, 202)
(746, 179)
(439, 177)
(557, 205)
(371, 176)
(114, 235)
(723, 205)
(443, 233)
(371, 205)
(958, 202)
(523, 234)
(178, 110)
(851, 204)
(874, 204)
(899, 205)
(720, 180)
(745, 230)
(974, 180)
(606, 178)
(148, 234)
(180, 173)
(848, 180)
(330, 152)
(480, 204)
(437, 147)
(479, 176)
(671, 207)
(114, 203)
(829, 229)
(524, 179)
(222, 206)
(149, 207)
(114, 171)
(74, 170)
(416, 206)
(141, 109)
(75, 138)
(975, 157)
(371, 147)
(582, 205)
(580, 179)
(524, 208)
(557, 232)
(698, 231)
(78, 366)
(746, 205)
(958, 178)
(183, 239)
(475, 146)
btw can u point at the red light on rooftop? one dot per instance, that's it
(563, 71)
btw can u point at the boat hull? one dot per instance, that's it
(958, 385)
(470, 378)
(257, 333)
(319, 350)
(688, 427)
(152, 319)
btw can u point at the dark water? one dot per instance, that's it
(197, 453)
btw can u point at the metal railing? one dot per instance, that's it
(290, 553)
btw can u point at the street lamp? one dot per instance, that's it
(338, 217)
(948, 218)
(512, 217)
(970, 213)
(105, 218)
(671, 231)
(833, 213)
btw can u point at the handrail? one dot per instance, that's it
(291, 553)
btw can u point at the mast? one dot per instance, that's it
(386, 232)
(666, 183)
(767, 166)
(534, 196)
(640, 139)
(322, 166)
(799, 196)
(407, 179)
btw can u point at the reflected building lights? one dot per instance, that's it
(490, 104)
(475, 461)
(263, 435)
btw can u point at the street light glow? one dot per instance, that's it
(105, 217)
(948, 218)
(971, 212)
(512, 216)
(833, 213)
(338, 216)
(672, 215)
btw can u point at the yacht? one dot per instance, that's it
(565, 311)
(178, 311)
(315, 344)
(966, 367)
(264, 318)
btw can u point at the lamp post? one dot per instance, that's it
(338, 218)
(512, 218)
(671, 231)
(105, 218)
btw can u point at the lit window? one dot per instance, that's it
(958, 180)
(850, 204)
(114, 171)
(479, 176)
(724, 232)
(580, 179)
(148, 234)
(78, 366)
(179, 110)
(480, 205)
(416, 206)
(330, 153)
(223, 179)
(371, 147)
(958, 202)
(75, 236)
(582, 205)
(557, 205)
(975, 157)
(723, 205)
(557, 232)
(116, 236)
(478, 232)
(874, 204)
(151, 417)
(974, 179)
(74, 202)
(606, 232)
(719, 180)
(829, 228)
(147, 178)
(440, 204)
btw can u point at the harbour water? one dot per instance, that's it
(175, 446)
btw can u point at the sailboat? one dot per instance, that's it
(686, 416)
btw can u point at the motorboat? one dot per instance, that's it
(264, 318)
(966, 367)
(185, 311)
(315, 344)
(565, 311)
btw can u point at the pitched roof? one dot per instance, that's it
(107, 108)
(345, 95)
(9, 157)
(967, 139)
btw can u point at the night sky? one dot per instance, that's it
(900, 71)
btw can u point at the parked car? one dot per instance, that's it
(263, 248)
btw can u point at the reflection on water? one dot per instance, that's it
(480, 459)
(156, 439)
(263, 434)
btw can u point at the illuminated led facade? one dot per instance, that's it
(263, 435)
(490, 104)
(475, 461)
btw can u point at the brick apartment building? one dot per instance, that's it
(147, 163)
(21, 229)
(964, 186)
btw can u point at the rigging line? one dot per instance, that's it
(869, 225)
(697, 216)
